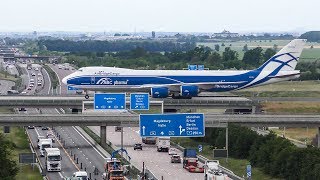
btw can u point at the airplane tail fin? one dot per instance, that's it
(286, 59)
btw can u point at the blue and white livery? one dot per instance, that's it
(186, 83)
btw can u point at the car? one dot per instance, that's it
(22, 109)
(31, 85)
(30, 127)
(175, 159)
(29, 88)
(118, 129)
(50, 135)
(45, 128)
(33, 74)
(36, 69)
(137, 146)
(39, 74)
(172, 151)
(23, 92)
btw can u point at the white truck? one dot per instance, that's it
(212, 171)
(163, 144)
(53, 159)
(79, 175)
(42, 144)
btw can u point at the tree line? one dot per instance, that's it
(140, 58)
(311, 36)
(114, 46)
(275, 155)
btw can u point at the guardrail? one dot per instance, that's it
(203, 159)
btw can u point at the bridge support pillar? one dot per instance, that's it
(103, 136)
(318, 137)
(253, 110)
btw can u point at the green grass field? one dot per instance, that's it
(307, 54)
(284, 89)
(21, 145)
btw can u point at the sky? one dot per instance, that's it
(159, 15)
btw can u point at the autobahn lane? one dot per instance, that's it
(68, 166)
(160, 166)
(87, 154)
(61, 73)
(83, 150)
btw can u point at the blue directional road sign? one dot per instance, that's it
(248, 170)
(200, 67)
(107, 101)
(139, 101)
(180, 125)
(71, 88)
(192, 67)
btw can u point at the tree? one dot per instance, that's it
(245, 48)
(253, 57)
(217, 47)
(268, 54)
(229, 54)
(8, 167)
(275, 47)
(311, 36)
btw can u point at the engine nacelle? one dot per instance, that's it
(189, 91)
(160, 92)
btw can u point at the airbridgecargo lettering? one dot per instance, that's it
(228, 86)
(178, 83)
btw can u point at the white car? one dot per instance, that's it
(36, 69)
(39, 74)
(172, 151)
(23, 92)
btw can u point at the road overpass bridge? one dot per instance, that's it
(76, 102)
(132, 120)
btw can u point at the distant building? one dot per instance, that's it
(225, 34)
(153, 34)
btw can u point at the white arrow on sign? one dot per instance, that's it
(162, 133)
(143, 130)
(181, 130)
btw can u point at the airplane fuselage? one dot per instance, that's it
(119, 79)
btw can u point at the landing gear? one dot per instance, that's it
(87, 95)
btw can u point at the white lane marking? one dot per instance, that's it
(88, 142)
(60, 175)
(36, 131)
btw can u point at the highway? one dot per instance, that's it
(157, 162)
(74, 141)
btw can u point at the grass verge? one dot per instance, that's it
(238, 166)
(20, 142)
(132, 172)
(53, 76)
(291, 107)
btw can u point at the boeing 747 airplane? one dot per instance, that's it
(188, 83)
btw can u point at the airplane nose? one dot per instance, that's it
(65, 80)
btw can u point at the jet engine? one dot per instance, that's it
(189, 91)
(160, 92)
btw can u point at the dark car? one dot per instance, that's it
(137, 146)
(175, 159)
(45, 128)
(30, 127)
